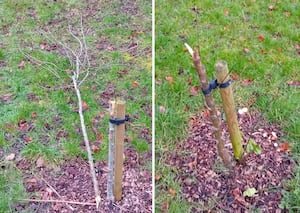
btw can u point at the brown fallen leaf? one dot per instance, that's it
(205, 114)
(97, 134)
(186, 108)
(99, 137)
(274, 136)
(123, 92)
(246, 82)
(21, 65)
(165, 207)
(40, 162)
(284, 147)
(235, 76)
(170, 79)
(33, 114)
(162, 109)
(246, 50)
(263, 51)
(95, 148)
(43, 45)
(27, 139)
(194, 90)
(84, 107)
(189, 81)
(293, 83)
(192, 164)
(61, 134)
(158, 82)
(260, 37)
(128, 138)
(135, 84)
(10, 157)
(172, 192)
(237, 196)
(287, 14)
(226, 12)
(9, 126)
(6, 97)
(31, 180)
(157, 177)
(271, 7)
(22, 125)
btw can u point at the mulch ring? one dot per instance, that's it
(205, 181)
(72, 181)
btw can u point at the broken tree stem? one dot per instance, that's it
(211, 107)
(86, 141)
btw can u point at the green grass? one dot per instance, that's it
(21, 22)
(11, 188)
(224, 37)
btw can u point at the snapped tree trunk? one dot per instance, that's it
(216, 120)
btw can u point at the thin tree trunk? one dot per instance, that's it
(87, 145)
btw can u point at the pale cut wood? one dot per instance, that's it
(222, 75)
(119, 149)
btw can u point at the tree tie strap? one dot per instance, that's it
(213, 84)
(118, 121)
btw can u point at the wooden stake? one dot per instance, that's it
(111, 148)
(212, 109)
(119, 149)
(222, 76)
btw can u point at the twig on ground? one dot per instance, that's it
(60, 201)
(70, 207)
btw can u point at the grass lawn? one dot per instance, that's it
(37, 108)
(260, 42)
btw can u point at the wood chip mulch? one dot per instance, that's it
(205, 181)
(73, 183)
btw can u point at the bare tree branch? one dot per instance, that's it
(79, 63)
(44, 63)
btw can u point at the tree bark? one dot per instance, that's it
(216, 120)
